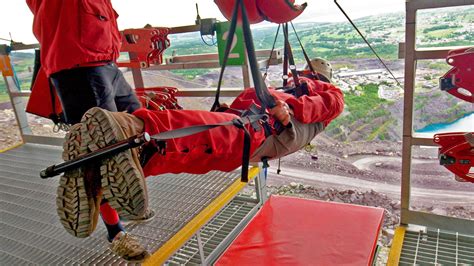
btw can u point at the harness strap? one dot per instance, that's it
(291, 59)
(237, 122)
(306, 57)
(230, 38)
(261, 90)
(244, 177)
(271, 52)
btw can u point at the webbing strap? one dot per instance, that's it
(290, 56)
(271, 52)
(230, 38)
(306, 57)
(237, 122)
(261, 90)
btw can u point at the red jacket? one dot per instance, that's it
(221, 148)
(75, 32)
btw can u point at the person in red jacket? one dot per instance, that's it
(219, 148)
(80, 43)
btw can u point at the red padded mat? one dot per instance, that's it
(293, 231)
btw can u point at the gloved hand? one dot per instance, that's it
(281, 112)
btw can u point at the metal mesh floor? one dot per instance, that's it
(213, 233)
(30, 232)
(435, 247)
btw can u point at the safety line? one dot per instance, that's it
(367, 42)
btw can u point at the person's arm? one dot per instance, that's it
(324, 103)
(281, 112)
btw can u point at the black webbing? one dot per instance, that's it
(244, 176)
(230, 38)
(367, 42)
(261, 90)
(285, 63)
(290, 56)
(306, 57)
(271, 53)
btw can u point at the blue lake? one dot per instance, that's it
(464, 124)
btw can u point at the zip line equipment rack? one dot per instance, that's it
(441, 239)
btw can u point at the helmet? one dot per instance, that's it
(322, 67)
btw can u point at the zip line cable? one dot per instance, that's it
(367, 42)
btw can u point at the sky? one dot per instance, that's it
(17, 18)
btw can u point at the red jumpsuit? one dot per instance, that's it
(68, 32)
(221, 148)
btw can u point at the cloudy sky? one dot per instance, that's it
(17, 18)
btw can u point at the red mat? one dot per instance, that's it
(293, 231)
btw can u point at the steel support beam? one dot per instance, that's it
(463, 226)
(411, 54)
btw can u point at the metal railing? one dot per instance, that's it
(411, 54)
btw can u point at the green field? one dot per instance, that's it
(4, 98)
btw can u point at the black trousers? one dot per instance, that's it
(80, 89)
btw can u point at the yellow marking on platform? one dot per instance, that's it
(396, 249)
(167, 250)
(11, 147)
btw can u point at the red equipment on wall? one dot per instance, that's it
(456, 153)
(158, 98)
(459, 80)
(147, 45)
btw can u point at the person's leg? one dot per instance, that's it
(125, 97)
(100, 79)
(103, 83)
(122, 176)
(79, 90)
(74, 92)
(77, 201)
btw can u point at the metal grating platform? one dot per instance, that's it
(214, 233)
(435, 247)
(30, 232)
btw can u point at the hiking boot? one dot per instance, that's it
(123, 181)
(77, 209)
(148, 216)
(127, 247)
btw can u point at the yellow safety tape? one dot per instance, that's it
(162, 254)
(11, 147)
(396, 249)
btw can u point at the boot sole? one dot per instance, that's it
(121, 183)
(74, 207)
